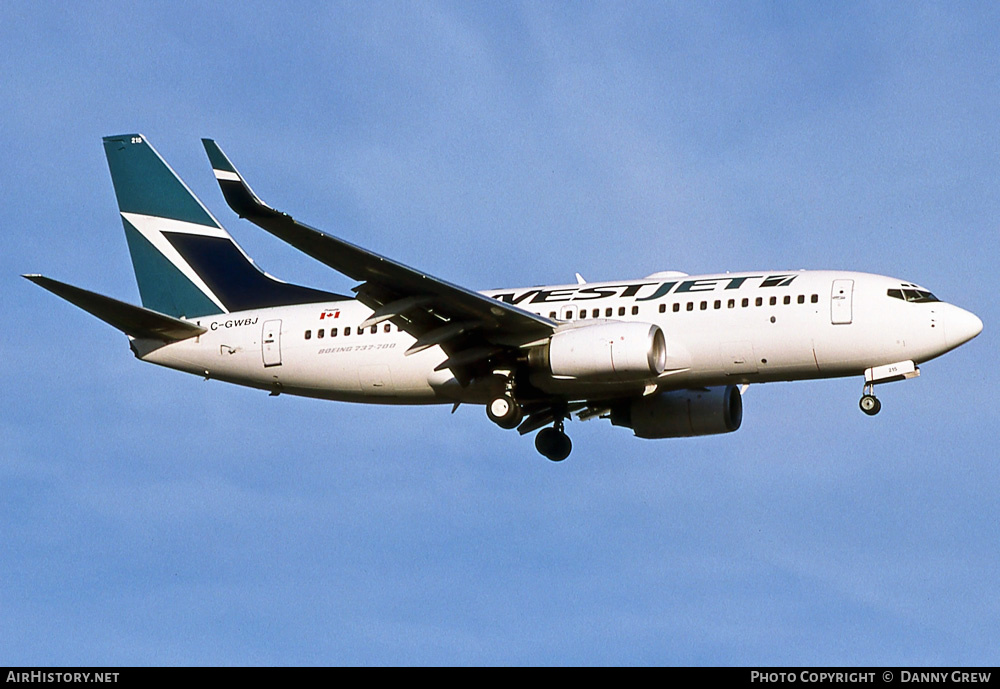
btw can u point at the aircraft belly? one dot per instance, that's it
(375, 379)
(787, 356)
(577, 389)
(737, 358)
(846, 349)
(379, 374)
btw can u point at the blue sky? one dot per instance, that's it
(149, 517)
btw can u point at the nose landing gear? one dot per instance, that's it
(887, 373)
(869, 403)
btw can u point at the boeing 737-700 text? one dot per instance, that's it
(667, 356)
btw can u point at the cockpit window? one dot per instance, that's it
(913, 295)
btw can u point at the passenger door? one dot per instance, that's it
(270, 343)
(841, 302)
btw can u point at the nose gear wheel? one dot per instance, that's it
(869, 403)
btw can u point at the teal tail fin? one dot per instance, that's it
(185, 263)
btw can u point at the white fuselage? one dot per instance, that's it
(719, 330)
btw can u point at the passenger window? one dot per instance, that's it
(583, 313)
(802, 299)
(621, 310)
(814, 299)
(704, 305)
(635, 310)
(319, 334)
(788, 300)
(759, 301)
(347, 330)
(552, 314)
(677, 307)
(595, 313)
(731, 304)
(690, 306)
(608, 311)
(387, 328)
(718, 304)
(746, 302)
(309, 334)
(663, 308)
(774, 300)
(374, 329)
(333, 332)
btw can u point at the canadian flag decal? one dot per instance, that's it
(330, 313)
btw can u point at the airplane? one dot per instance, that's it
(669, 355)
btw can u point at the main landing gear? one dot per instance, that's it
(504, 412)
(869, 402)
(552, 443)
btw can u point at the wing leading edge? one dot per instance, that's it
(433, 310)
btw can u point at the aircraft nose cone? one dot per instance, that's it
(961, 327)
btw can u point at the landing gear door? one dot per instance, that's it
(841, 298)
(270, 343)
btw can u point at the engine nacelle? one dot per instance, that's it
(682, 413)
(612, 351)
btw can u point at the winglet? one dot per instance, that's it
(237, 192)
(131, 320)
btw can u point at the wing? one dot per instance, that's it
(470, 327)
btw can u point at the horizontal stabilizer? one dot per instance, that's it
(131, 320)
